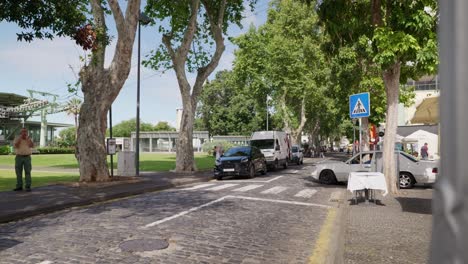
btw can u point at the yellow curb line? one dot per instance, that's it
(321, 248)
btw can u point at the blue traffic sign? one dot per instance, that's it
(359, 105)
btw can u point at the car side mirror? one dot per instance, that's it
(277, 148)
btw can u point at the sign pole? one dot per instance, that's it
(110, 134)
(354, 136)
(360, 134)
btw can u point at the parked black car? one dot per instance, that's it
(238, 161)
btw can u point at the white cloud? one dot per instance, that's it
(226, 61)
(41, 57)
(249, 17)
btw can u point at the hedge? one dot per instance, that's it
(209, 146)
(55, 150)
(4, 150)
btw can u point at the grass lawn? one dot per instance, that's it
(39, 178)
(46, 160)
(148, 161)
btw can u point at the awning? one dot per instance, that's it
(427, 112)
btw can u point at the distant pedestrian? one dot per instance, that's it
(218, 154)
(23, 149)
(424, 152)
(322, 152)
(356, 147)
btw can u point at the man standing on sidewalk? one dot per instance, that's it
(23, 149)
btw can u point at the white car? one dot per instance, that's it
(412, 171)
(297, 155)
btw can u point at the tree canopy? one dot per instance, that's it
(396, 38)
(44, 19)
(125, 128)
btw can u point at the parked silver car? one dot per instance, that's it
(412, 171)
(297, 155)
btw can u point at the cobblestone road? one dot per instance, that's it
(269, 219)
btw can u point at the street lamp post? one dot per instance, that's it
(267, 110)
(143, 19)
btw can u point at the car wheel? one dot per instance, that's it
(252, 171)
(285, 165)
(264, 170)
(302, 161)
(406, 180)
(327, 177)
(298, 161)
(219, 177)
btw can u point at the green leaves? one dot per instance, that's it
(44, 19)
(125, 128)
(173, 18)
(227, 108)
(393, 46)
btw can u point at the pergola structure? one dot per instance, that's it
(15, 110)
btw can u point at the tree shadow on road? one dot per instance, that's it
(311, 182)
(6, 243)
(415, 205)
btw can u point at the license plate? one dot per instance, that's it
(226, 170)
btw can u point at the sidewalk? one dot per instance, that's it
(18, 205)
(396, 230)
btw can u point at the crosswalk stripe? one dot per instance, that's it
(199, 186)
(221, 187)
(248, 188)
(306, 193)
(274, 190)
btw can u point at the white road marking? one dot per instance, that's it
(221, 187)
(275, 190)
(306, 193)
(184, 212)
(230, 197)
(260, 181)
(278, 201)
(294, 171)
(248, 188)
(46, 262)
(199, 186)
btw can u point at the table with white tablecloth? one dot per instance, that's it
(372, 181)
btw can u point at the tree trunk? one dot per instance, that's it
(391, 78)
(298, 131)
(296, 134)
(101, 86)
(76, 127)
(286, 120)
(365, 134)
(185, 158)
(91, 150)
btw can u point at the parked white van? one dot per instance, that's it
(275, 146)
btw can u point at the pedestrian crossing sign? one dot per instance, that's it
(359, 105)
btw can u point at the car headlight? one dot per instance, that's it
(244, 160)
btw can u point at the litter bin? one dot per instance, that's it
(126, 163)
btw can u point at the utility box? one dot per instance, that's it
(126, 163)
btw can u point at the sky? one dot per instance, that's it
(49, 65)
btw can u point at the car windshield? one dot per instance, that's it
(295, 149)
(263, 143)
(237, 152)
